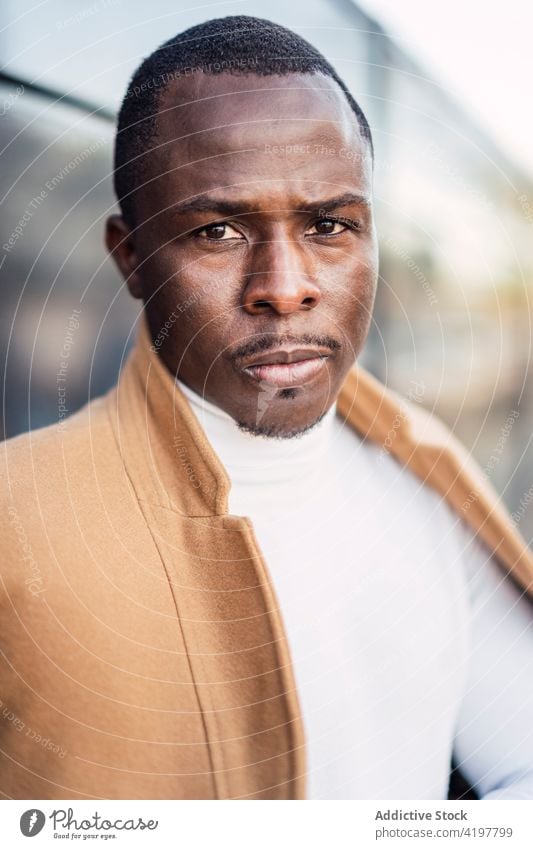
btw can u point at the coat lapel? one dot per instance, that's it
(226, 607)
(420, 441)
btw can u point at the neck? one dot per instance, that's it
(247, 456)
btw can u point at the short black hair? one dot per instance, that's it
(235, 44)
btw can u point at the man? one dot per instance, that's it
(250, 570)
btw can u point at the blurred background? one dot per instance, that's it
(447, 93)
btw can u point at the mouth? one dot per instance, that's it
(287, 368)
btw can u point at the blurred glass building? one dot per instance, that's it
(452, 326)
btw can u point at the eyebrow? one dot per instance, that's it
(207, 203)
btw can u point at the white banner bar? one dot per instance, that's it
(268, 825)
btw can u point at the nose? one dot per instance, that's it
(278, 279)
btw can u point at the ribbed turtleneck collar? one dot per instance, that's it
(248, 458)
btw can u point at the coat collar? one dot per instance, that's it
(171, 462)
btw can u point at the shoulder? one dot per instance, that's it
(37, 454)
(398, 423)
(40, 468)
(419, 440)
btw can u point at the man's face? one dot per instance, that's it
(255, 249)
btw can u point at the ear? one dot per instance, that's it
(121, 245)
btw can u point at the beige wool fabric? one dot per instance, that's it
(142, 655)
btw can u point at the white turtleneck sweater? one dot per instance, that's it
(407, 640)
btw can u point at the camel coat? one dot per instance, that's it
(142, 654)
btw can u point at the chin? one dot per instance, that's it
(277, 429)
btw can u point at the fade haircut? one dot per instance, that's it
(237, 45)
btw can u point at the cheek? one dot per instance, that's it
(207, 326)
(211, 277)
(362, 300)
(351, 288)
(211, 302)
(175, 280)
(349, 282)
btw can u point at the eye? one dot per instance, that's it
(328, 227)
(218, 233)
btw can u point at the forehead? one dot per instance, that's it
(260, 136)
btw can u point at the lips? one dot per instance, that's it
(287, 367)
